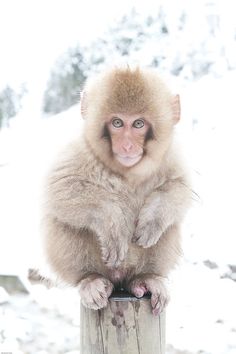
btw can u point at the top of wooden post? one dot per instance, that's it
(123, 295)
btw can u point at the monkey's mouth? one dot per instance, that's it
(128, 161)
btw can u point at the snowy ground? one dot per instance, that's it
(41, 323)
(201, 317)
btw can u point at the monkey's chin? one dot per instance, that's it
(128, 161)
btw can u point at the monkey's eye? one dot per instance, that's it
(138, 123)
(117, 123)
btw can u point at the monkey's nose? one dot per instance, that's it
(127, 147)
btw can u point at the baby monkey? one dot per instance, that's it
(115, 199)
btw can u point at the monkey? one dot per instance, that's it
(116, 197)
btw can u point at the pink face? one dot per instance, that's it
(127, 134)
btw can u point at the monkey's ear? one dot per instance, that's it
(176, 108)
(83, 103)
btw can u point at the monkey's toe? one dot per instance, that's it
(158, 302)
(139, 291)
(153, 284)
(95, 303)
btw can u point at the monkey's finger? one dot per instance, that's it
(155, 300)
(159, 302)
(115, 254)
(144, 241)
(147, 238)
(156, 311)
(96, 304)
(137, 235)
(101, 299)
(109, 288)
(111, 259)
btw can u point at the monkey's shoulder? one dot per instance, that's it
(77, 163)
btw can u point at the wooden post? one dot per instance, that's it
(125, 326)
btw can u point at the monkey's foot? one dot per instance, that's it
(153, 284)
(95, 291)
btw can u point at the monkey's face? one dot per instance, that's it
(127, 135)
(129, 117)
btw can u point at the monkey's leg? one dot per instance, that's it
(158, 261)
(95, 291)
(142, 284)
(76, 258)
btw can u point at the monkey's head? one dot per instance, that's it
(129, 118)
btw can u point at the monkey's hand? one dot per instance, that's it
(163, 208)
(114, 250)
(149, 226)
(114, 234)
(154, 284)
(147, 232)
(152, 221)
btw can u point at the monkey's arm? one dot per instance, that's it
(83, 204)
(162, 209)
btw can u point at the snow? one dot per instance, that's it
(214, 147)
(201, 317)
(4, 297)
(43, 323)
(26, 151)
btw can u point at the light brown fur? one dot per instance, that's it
(107, 224)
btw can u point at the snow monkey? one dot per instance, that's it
(115, 199)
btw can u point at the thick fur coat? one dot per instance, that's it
(102, 220)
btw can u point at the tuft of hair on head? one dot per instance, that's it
(124, 90)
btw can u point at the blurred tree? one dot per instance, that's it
(121, 41)
(165, 39)
(65, 82)
(126, 39)
(10, 104)
(133, 38)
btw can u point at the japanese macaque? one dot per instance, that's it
(117, 196)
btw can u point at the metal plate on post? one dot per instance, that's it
(123, 295)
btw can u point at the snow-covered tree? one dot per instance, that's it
(65, 82)
(184, 39)
(10, 104)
